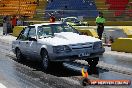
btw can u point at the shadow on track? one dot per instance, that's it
(59, 70)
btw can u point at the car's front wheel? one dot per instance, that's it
(19, 55)
(45, 60)
(93, 62)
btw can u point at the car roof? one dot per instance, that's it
(71, 17)
(46, 24)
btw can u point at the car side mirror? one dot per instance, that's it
(32, 39)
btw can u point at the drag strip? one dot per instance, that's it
(78, 67)
(6, 48)
(37, 78)
(115, 68)
(62, 77)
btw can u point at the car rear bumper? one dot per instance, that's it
(74, 55)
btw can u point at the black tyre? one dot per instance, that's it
(93, 62)
(19, 55)
(45, 60)
(92, 65)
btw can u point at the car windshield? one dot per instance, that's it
(49, 30)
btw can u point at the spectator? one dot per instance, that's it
(52, 18)
(5, 25)
(100, 20)
(14, 21)
(19, 23)
(9, 26)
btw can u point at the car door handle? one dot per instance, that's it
(26, 42)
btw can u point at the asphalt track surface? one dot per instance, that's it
(14, 74)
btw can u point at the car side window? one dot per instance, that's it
(44, 31)
(32, 32)
(23, 35)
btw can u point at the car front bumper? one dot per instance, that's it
(74, 55)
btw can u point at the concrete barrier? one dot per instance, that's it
(89, 32)
(127, 30)
(17, 30)
(112, 23)
(116, 32)
(122, 45)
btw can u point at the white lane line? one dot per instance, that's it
(2, 86)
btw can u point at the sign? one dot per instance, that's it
(83, 54)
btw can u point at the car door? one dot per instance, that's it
(31, 44)
(22, 39)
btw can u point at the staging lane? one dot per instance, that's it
(74, 76)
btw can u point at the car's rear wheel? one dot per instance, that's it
(19, 55)
(45, 60)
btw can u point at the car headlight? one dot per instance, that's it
(59, 49)
(97, 45)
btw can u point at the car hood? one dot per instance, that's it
(66, 38)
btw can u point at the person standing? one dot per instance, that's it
(5, 20)
(52, 18)
(19, 22)
(100, 20)
(14, 21)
